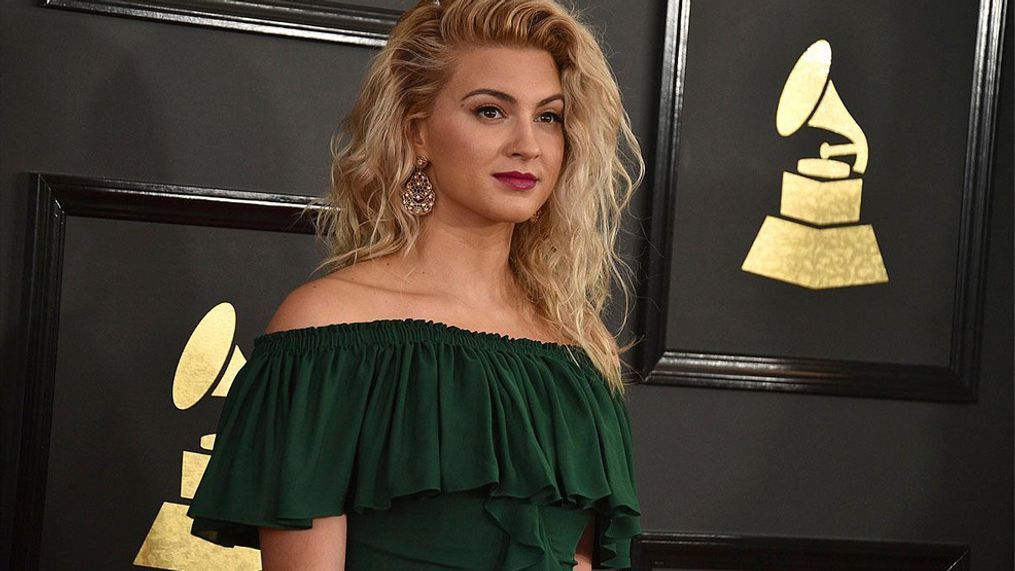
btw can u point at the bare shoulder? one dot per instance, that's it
(339, 297)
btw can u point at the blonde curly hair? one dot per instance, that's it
(564, 261)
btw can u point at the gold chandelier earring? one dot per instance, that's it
(418, 197)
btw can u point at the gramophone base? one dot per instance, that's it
(816, 258)
(169, 545)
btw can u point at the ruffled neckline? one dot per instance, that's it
(419, 406)
(405, 330)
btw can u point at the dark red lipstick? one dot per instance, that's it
(517, 180)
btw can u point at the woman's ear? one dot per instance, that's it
(418, 137)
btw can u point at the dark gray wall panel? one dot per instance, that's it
(759, 463)
(140, 100)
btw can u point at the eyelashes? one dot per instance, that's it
(556, 118)
(485, 110)
(488, 111)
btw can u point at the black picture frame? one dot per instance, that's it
(353, 24)
(674, 551)
(53, 199)
(955, 383)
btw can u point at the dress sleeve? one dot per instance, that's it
(619, 514)
(284, 447)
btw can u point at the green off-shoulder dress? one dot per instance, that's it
(446, 448)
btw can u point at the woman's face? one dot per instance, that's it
(495, 138)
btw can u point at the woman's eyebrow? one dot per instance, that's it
(510, 99)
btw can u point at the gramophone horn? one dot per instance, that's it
(208, 349)
(810, 98)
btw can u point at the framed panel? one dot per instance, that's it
(686, 551)
(363, 23)
(776, 118)
(132, 333)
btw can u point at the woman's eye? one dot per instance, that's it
(488, 112)
(551, 117)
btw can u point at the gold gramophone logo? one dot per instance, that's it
(208, 356)
(823, 247)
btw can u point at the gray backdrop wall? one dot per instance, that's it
(114, 97)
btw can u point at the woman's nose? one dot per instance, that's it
(525, 144)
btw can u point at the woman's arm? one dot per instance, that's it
(584, 553)
(320, 548)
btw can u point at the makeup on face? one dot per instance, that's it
(496, 136)
(514, 179)
(517, 180)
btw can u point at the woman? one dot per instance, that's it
(447, 396)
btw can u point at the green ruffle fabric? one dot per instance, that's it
(349, 417)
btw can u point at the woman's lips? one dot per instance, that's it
(517, 182)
